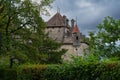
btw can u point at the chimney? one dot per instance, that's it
(66, 21)
(64, 17)
(72, 23)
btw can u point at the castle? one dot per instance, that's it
(59, 30)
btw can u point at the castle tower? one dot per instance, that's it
(76, 36)
(56, 27)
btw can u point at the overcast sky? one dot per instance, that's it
(89, 13)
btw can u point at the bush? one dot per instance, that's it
(31, 72)
(84, 71)
(8, 74)
(104, 70)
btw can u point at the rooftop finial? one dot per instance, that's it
(76, 19)
(58, 9)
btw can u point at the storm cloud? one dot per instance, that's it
(89, 13)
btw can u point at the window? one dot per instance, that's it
(76, 49)
(76, 37)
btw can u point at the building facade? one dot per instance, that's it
(59, 29)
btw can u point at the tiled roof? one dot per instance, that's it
(56, 20)
(76, 29)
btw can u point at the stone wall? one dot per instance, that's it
(74, 51)
(56, 34)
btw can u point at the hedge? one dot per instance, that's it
(84, 71)
(31, 72)
(69, 71)
(8, 74)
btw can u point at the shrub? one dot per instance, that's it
(84, 71)
(31, 72)
(8, 74)
(69, 71)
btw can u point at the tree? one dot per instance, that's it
(51, 52)
(22, 30)
(104, 42)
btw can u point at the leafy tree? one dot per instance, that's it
(50, 51)
(103, 43)
(19, 19)
(22, 30)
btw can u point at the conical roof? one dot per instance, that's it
(56, 20)
(76, 29)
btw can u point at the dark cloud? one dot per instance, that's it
(89, 13)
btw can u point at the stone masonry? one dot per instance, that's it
(59, 30)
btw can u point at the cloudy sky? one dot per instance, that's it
(89, 13)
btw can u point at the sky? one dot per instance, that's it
(89, 13)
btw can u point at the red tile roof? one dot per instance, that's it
(76, 29)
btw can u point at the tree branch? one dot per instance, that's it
(8, 23)
(13, 31)
(6, 29)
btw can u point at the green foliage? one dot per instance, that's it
(84, 71)
(8, 74)
(81, 70)
(103, 43)
(23, 72)
(23, 32)
(21, 24)
(43, 5)
(4, 61)
(50, 52)
(31, 72)
(86, 58)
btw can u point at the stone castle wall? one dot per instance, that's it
(74, 51)
(58, 29)
(56, 34)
